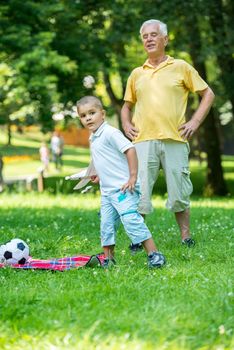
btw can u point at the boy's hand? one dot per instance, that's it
(130, 185)
(95, 179)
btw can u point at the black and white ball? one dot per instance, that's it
(88, 82)
(15, 251)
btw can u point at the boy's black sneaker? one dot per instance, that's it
(156, 260)
(135, 248)
(188, 242)
(108, 263)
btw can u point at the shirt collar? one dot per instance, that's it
(98, 132)
(169, 60)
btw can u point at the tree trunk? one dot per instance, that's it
(8, 133)
(215, 184)
(116, 103)
(224, 52)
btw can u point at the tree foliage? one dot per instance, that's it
(26, 46)
(51, 45)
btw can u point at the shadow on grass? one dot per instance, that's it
(19, 151)
(29, 150)
(75, 163)
(74, 151)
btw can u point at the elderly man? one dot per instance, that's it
(158, 91)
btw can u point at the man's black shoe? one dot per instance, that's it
(135, 248)
(188, 242)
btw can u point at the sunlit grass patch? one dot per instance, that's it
(186, 305)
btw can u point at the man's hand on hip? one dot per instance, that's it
(189, 128)
(130, 131)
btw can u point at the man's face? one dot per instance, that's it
(91, 116)
(153, 40)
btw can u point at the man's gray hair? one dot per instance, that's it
(162, 26)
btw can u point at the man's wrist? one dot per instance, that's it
(126, 125)
(198, 121)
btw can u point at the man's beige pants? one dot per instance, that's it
(172, 156)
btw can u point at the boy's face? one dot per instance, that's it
(91, 116)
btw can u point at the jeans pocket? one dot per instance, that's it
(187, 187)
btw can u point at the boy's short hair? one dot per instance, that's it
(89, 99)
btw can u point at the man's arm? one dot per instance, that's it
(126, 116)
(133, 169)
(189, 128)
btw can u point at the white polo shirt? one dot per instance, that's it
(108, 145)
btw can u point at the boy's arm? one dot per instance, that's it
(133, 169)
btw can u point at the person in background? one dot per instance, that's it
(44, 156)
(56, 145)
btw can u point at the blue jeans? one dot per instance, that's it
(122, 207)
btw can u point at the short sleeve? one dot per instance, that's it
(192, 80)
(119, 141)
(130, 92)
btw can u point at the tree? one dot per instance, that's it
(26, 42)
(13, 97)
(215, 183)
(221, 18)
(53, 44)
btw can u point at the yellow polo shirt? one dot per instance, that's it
(160, 97)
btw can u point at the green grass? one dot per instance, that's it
(28, 144)
(186, 305)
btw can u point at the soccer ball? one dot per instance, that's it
(15, 251)
(88, 82)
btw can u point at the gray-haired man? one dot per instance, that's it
(159, 91)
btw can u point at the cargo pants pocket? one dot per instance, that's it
(187, 187)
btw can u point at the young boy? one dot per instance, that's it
(115, 161)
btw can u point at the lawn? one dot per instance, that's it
(22, 157)
(186, 305)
